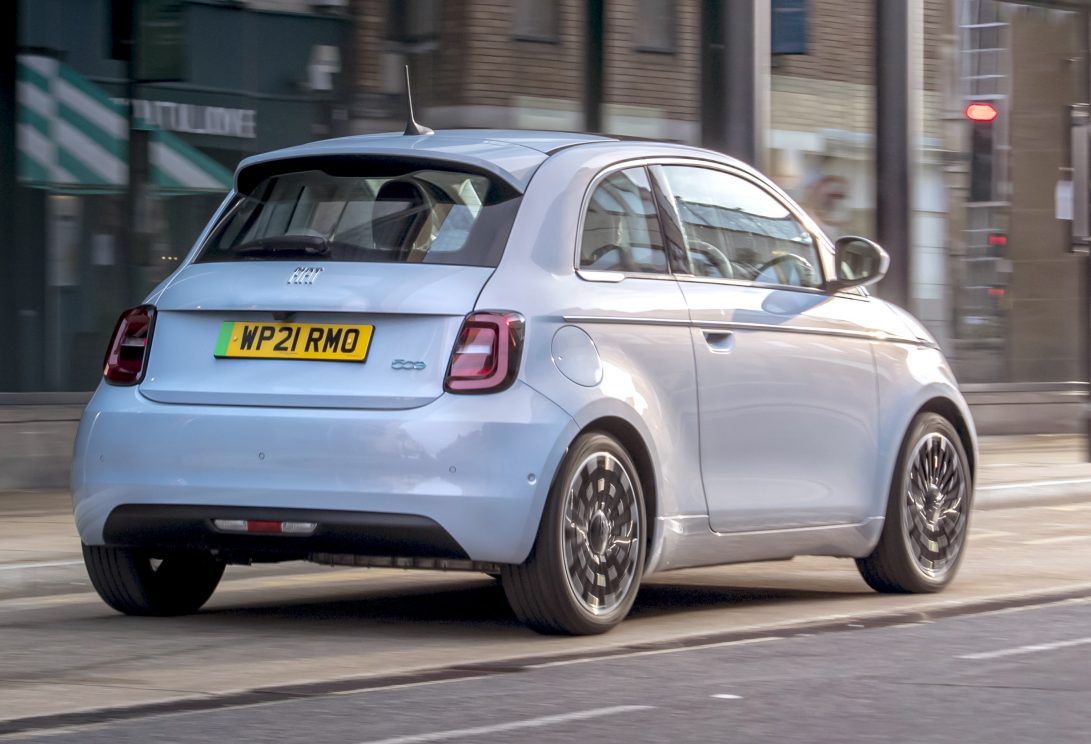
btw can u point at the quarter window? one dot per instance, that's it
(621, 229)
(734, 229)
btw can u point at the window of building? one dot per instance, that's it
(621, 228)
(654, 26)
(789, 26)
(736, 230)
(413, 20)
(535, 20)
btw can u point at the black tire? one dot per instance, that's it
(598, 486)
(135, 582)
(928, 512)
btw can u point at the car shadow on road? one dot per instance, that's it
(475, 603)
(657, 600)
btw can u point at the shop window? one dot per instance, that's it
(789, 26)
(654, 26)
(535, 20)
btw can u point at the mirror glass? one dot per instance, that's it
(858, 260)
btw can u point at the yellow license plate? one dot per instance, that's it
(334, 342)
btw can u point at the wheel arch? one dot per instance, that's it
(949, 410)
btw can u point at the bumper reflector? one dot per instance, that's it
(265, 526)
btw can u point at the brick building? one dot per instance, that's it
(524, 63)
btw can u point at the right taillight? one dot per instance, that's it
(127, 354)
(487, 354)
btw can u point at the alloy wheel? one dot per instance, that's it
(935, 505)
(601, 533)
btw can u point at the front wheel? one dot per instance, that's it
(584, 570)
(137, 582)
(928, 512)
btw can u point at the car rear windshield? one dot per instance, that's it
(420, 216)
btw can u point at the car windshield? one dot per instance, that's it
(423, 216)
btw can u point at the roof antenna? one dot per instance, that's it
(411, 126)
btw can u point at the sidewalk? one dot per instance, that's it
(1030, 470)
(36, 526)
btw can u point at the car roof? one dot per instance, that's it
(511, 154)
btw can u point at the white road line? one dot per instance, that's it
(655, 652)
(1019, 650)
(727, 696)
(42, 564)
(1036, 484)
(529, 723)
(1061, 539)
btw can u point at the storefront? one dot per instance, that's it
(251, 80)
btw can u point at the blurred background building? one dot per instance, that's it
(794, 86)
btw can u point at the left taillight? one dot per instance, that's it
(127, 354)
(487, 354)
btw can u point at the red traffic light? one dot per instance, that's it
(984, 112)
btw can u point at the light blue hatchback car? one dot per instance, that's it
(563, 359)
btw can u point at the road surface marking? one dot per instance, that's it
(1036, 484)
(1019, 650)
(529, 723)
(654, 652)
(727, 696)
(1061, 539)
(40, 564)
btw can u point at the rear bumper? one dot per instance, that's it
(465, 476)
(356, 533)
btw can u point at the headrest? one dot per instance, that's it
(400, 210)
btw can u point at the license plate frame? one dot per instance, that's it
(316, 342)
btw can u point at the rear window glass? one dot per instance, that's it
(424, 216)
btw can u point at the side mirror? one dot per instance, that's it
(858, 262)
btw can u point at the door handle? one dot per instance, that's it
(720, 342)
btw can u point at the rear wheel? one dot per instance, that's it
(136, 582)
(584, 571)
(928, 512)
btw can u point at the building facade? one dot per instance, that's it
(217, 81)
(1011, 312)
(991, 270)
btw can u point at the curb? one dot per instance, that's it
(1032, 493)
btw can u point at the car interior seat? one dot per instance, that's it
(401, 210)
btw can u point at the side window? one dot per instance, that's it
(621, 229)
(736, 230)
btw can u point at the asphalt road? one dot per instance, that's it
(1008, 676)
(797, 651)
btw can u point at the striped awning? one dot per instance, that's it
(71, 134)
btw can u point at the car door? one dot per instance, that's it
(786, 381)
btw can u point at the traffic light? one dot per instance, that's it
(981, 116)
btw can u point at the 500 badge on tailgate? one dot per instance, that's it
(332, 342)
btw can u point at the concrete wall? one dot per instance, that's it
(36, 439)
(1045, 316)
